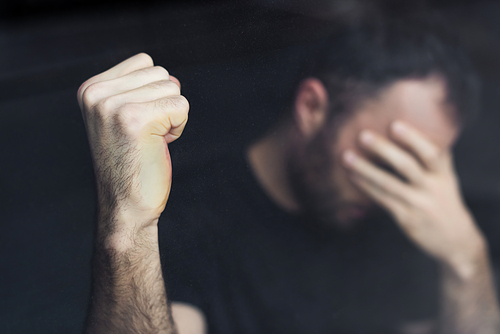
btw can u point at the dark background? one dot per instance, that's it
(236, 62)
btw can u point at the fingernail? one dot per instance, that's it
(366, 137)
(349, 157)
(398, 127)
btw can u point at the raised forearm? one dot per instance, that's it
(468, 298)
(131, 112)
(128, 287)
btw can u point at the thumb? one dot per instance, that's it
(166, 117)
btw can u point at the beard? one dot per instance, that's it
(310, 170)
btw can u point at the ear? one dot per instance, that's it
(311, 107)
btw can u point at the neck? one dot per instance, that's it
(267, 158)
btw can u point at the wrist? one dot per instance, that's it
(123, 230)
(470, 262)
(139, 242)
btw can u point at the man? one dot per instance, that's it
(283, 240)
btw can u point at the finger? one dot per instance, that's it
(396, 157)
(104, 89)
(166, 117)
(134, 63)
(386, 182)
(178, 118)
(425, 150)
(150, 92)
(177, 82)
(380, 197)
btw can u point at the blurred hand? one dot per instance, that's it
(427, 205)
(131, 112)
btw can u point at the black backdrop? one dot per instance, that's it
(236, 62)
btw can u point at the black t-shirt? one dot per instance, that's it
(253, 268)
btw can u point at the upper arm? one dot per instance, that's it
(188, 319)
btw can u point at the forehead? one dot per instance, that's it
(419, 102)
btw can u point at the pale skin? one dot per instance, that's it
(134, 110)
(426, 205)
(430, 211)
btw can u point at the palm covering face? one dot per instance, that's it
(428, 206)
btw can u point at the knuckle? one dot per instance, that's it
(81, 90)
(107, 104)
(183, 103)
(172, 88)
(128, 119)
(161, 71)
(91, 93)
(145, 59)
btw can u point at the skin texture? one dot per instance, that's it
(134, 110)
(393, 152)
(131, 113)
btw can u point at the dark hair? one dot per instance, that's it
(356, 61)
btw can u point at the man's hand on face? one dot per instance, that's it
(131, 112)
(427, 205)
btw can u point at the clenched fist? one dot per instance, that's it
(132, 112)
